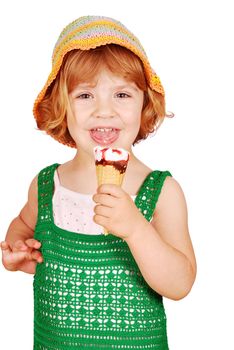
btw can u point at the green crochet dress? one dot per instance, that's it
(89, 292)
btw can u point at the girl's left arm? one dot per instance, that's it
(163, 249)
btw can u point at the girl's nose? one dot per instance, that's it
(104, 109)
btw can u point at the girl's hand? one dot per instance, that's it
(116, 211)
(22, 256)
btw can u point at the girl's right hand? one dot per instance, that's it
(22, 256)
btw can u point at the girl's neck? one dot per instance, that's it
(79, 174)
(83, 160)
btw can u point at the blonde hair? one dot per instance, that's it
(82, 66)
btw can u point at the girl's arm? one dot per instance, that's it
(162, 248)
(19, 250)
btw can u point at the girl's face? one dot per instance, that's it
(105, 112)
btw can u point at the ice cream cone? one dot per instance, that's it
(108, 174)
(111, 166)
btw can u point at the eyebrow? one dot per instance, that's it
(122, 87)
(118, 87)
(82, 85)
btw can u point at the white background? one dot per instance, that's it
(189, 44)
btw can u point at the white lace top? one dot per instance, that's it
(73, 211)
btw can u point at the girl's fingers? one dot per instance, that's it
(100, 220)
(19, 246)
(102, 210)
(36, 255)
(5, 247)
(104, 199)
(14, 260)
(33, 243)
(114, 190)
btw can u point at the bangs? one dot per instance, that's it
(83, 66)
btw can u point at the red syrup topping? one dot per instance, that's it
(119, 165)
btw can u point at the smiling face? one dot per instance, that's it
(110, 81)
(105, 112)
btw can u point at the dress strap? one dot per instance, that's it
(56, 179)
(45, 194)
(149, 192)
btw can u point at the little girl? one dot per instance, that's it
(93, 291)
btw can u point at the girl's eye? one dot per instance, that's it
(84, 96)
(122, 95)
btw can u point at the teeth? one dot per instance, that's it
(104, 129)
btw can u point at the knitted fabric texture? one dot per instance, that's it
(89, 292)
(89, 32)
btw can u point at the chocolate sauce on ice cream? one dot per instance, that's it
(116, 157)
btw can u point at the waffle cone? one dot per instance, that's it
(107, 174)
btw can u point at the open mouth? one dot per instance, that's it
(104, 136)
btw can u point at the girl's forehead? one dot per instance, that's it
(106, 76)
